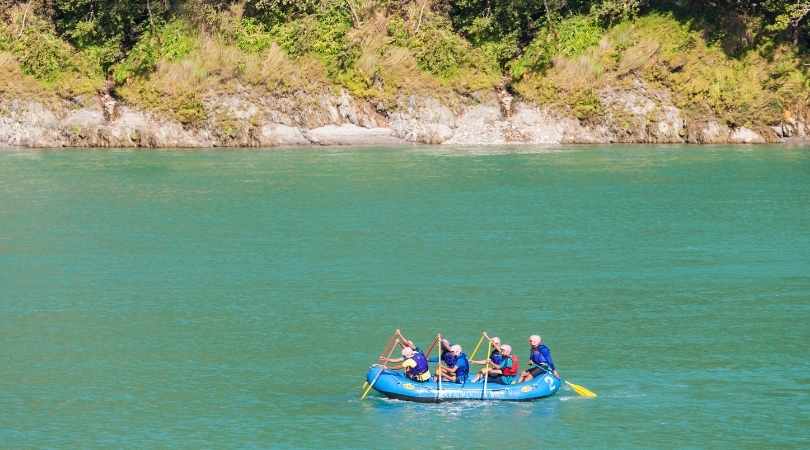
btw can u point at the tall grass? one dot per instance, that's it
(754, 88)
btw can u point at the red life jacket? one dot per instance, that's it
(512, 371)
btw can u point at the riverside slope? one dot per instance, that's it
(633, 115)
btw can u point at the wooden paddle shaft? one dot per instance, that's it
(385, 366)
(477, 346)
(486, 370)
(439, 369)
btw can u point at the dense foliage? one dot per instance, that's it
(163, 52)
(115, 26)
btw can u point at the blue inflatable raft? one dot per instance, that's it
(394, 384)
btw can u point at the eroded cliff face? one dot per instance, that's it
(631, 115)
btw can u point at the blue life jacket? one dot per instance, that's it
(421, 364)
(496, 357)
(462, 368)
(541, 356)
(449, 359)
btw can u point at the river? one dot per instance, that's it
(234, 299)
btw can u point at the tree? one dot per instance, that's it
(791, 18)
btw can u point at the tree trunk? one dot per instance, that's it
(149, 10)
(549, 19)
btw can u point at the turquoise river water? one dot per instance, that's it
(235, 299)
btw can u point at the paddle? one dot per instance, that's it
(385, 366)
(439, 373)
(388, 346)
(581, 390)
(486, 373)
(478, 345)
(432, 345)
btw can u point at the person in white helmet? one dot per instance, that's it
(459, 369)
(540, 358)
(414, 363)
(495, 358)
(505, 371)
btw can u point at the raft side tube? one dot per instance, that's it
(394, 384)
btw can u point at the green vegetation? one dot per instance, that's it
(742, 61)
(756, 87)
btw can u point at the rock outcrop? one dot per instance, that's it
(632, 115)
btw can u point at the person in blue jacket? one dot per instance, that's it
(507, 368)
(460, 369)
(448, 358)
(540, 357)
(493, 366)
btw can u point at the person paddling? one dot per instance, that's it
(541, 358)
(505, 369)
(460, 368)
(448, 358)
(413, 362)
(508, 368)
(494, 362)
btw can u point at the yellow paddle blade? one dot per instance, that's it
(581, 390)
(367, 388)
(365, 385)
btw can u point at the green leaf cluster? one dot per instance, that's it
(570, 37)
(169, 42)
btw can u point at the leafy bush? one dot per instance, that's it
(568, 38)
(585, 105)
(440, 51)
(252, 36)
(323, 35)
(40, 54)
(276, 12)
(39, 51)
(611, 11)
(169, 42)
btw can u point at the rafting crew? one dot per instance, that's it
(500, 379)
(501, 367)
(540, 358)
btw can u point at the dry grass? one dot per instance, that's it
(178, 88)
(750, 90)
(14, 83)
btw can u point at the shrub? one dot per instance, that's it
(440, 51)
(54, 66)
(252, 36)
(323, 35)
(169, 42)
(570, 37)
(446, 55)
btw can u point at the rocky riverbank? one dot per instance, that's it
(637, 115)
